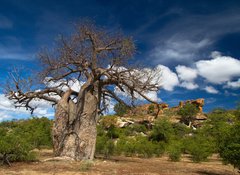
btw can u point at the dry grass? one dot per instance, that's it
(118, 166)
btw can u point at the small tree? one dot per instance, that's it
(13, 147)
(230, 146)
(120, 109)
(151, 109)
(188, 113)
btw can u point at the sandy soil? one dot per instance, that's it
(118, 166)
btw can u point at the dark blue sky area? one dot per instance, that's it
(187, 37)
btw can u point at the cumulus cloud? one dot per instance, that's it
(186, 73)
(187, 76)
(4, 116)
(169, 79)
(195, 36)
(220, 69)
(178, 50)
(233, 84)
(8, 111)
(211, 90)
(189, 85)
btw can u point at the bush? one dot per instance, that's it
(108, 121)
(104, 146)
(217, 126)
(175, 151)
(14, 148)
(112, 132)
(37, 131)
(188, 113)
(151, 109)
(139, 146)
(180, 130)
(229, 148)
(86, 165)
(120, 109)
(199, 147)
(162, 131)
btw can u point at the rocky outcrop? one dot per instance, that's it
(198, 102)
(146, 115)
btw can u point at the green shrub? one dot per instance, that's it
(139, 128)
(217, 126)
(113, 132)
(104, 146)
(229, 148)
(108, 121)
(199, 147)
(14, 148)
(162, 131)
(151, 109)
(180, 130)
(175, 151)
(139, 146)
(120, 109)
(188, 113)
(86, 165)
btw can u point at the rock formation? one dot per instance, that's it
(198, 102)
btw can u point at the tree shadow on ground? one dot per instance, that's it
(203, 172)
(118, 159)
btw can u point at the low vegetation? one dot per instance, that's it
(219, 134)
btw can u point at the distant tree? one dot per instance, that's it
(97, 58)
(188, 113)
(162, 131)
(151, 109)
(120, 109)
(13, 147)
(230, 146)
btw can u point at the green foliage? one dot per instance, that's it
(113, 132)
(20, 137)
(217, 126)
(229, 148)
(37, 131)
(104, 146)
(13, 147)
(134, 129)
(199, 147)
(120, 109)
(138, 146)
(85, 165)
(108, 121)
(188, 113)
(151, 109)
(175, 150)
(162, 131)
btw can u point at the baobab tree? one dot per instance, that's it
(99, 60)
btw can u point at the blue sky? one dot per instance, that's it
(196, 43)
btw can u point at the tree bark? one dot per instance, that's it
(74, 130)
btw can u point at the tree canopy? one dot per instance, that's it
(91, 54)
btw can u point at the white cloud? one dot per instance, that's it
(189, 37)
(186, 73)
(178, 50)
(8, 111)
(220, 69)
(4, 116)
(211, 90)
(189, 85)
(233, 84)
(169, 79)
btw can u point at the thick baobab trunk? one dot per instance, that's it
(74, 130)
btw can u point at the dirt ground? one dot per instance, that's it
(118, 166)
